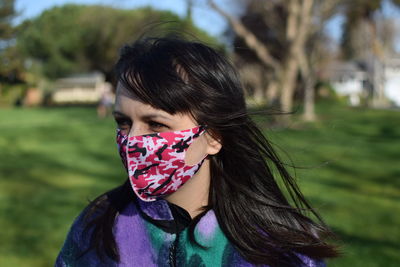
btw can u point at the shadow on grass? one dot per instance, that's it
(357, 248)
(43, 195)
(356, 184)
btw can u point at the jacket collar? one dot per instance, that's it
(160, 213)
(156, 210)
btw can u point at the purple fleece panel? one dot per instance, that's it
(130, 245)
(207, 225)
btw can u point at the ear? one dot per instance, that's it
(213, 144)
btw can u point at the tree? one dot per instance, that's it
(77, 38)
(8, 66)
(276, 34)
(360, 34)
(7, 12)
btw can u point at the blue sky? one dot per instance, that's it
(213, 23)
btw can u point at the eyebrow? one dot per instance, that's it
(119, 114)
(149, 116)
(154, 116)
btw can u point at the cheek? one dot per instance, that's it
(196, 151)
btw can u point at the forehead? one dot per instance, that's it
(127, 103)
(122, 91)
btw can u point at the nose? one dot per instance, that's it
(137, 130)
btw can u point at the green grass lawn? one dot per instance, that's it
(53, 160)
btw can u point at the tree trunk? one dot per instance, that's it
(288, 84)
(258, 95)
(297, 31)
(309, 98)
(272, 93)
(308, 76)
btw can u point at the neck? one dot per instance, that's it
(194, 193)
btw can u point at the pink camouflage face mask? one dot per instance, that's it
(156, 162)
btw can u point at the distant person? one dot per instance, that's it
(106, 102)
(202, 186)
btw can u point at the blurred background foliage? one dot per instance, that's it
(78, 39)
(346, 144)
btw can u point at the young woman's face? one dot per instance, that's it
(134, 118)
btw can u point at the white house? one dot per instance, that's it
(391, 77)
(85, 88)
(377, 79)
(348, 79)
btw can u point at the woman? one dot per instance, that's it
(202, 179)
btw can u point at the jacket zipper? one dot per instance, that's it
(172, 251)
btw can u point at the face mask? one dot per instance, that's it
(156, 162)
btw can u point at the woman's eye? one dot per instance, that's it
(123, 124)
(156, 125)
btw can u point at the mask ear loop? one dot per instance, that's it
(202, 130)
(205, 127)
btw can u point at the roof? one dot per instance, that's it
(337, 70)
(84, 79)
